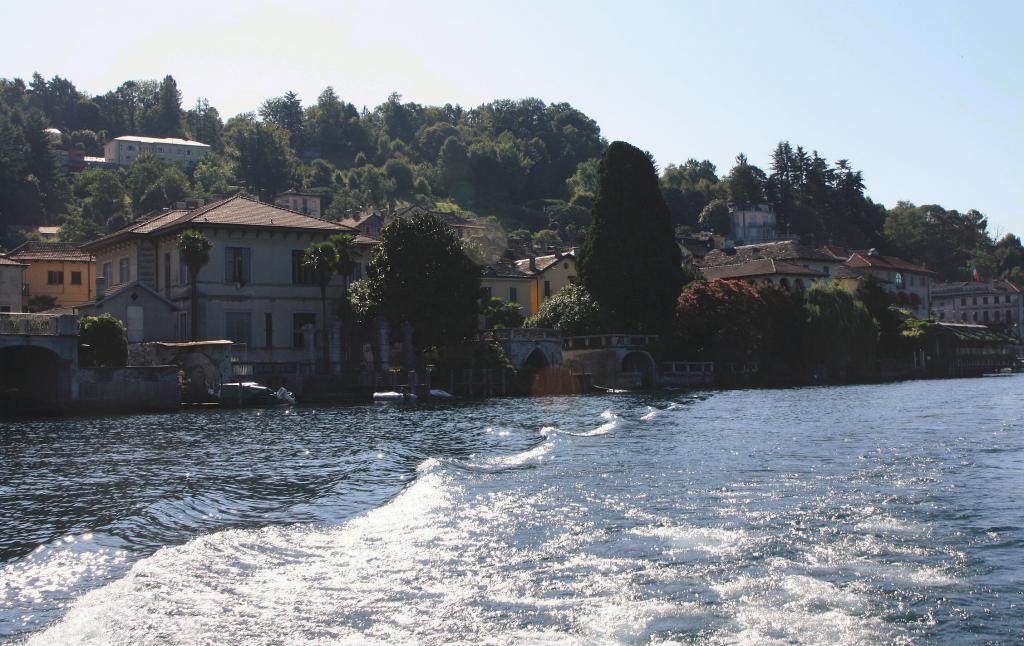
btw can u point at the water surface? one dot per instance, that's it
(865, 514)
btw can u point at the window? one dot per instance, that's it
(301, 275)
(572, 280)
(357, 270)
(963, 301)
(54, 278)
(238, 327)
(237, 261)
(76, 278)
(107, 273)
(974, 300)
(485, 293)
(998, 314)
(513, 295)
(826, 269)
(167, 272)
(299, 320)
(984, 316)
(984, 300)
(123, 273)
(183, 276)
(1009, 316)
(995, 300)
(547, 288)
(268, 330)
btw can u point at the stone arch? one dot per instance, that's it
(536, 360)
(642, 363)
(30, 379)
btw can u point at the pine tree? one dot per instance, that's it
(630, 261)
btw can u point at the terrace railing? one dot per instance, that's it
(38, 324)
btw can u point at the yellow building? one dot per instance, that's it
(59, 270)
(550, 274)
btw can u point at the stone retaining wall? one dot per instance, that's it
(133, 388)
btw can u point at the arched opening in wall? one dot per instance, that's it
(784, 283)
(640, 364)
(30, 379)
(536, 361)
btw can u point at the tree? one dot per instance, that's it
(195, 249)
(629, 261)
(420, 276)
(102, 342)
(841, 336)
(745, 182)
(572, 311)
(501, 314)
(715, 217)
(261, 155)
(286, 112)
(321, 260)
(165, 119)
(205, 125)
(546, 239)
(719, 321)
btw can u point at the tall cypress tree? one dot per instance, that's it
(630, 261)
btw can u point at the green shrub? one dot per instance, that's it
(102, 342)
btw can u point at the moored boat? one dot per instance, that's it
(252, 394)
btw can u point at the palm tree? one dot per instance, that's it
(194, 248)
(344, 244)
(321, 259)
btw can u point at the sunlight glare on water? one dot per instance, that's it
(865, 514)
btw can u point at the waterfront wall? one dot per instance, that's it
(131, 388)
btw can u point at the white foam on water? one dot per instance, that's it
(649, 415)
(44, 578)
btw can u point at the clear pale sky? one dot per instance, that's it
(925, 97)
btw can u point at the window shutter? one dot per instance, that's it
(246, 265)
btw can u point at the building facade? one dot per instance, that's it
(61, 271)
(11, 284)
(121, 151)
(549, 275)
(767, 271)
(254, 291)
(305, 203)
(753, 223)
(996, 303)
(910, 285)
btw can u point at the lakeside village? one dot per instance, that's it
(183, 300)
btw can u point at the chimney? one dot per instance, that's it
(101, 288)
(533, 263)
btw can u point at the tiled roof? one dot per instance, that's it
(501, 270)
(845, 271)
(239, 211)
(878, 261)
(451, 219)
(785, 250)
(38, 250)
(1000, 286)
(7, 262)
(157, 140)
(543, 263)
(292, 191)
(760, 267)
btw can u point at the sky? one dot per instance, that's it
(926, 98)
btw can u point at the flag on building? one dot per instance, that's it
(975, 275)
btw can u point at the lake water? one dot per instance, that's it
(863, 514)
